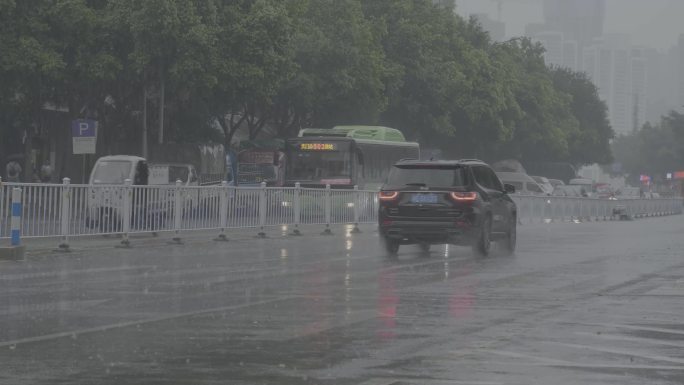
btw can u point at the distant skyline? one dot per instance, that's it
(654, 23)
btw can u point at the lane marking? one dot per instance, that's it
(544, 360)
(66, 273)
(632, 339)
(593, 366)
(52, 306)
(619, 352)
(120, 325)
(633, 327)
(391, 381)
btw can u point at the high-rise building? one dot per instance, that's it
(496, 29)
(578, 20)
(679, 71)
(554, 47)
(639, 80)
(570, 54)
(620, 73)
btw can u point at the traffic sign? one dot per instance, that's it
(84, 136)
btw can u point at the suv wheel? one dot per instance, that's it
(483, 243)
(391, 246)
(508, 244)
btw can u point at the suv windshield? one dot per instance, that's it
(427, 176)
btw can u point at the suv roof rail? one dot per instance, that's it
(471, 160)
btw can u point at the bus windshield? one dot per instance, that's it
(330, 167)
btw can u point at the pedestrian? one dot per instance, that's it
(46, 172)
(13, 170)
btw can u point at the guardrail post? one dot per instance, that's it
(328, 210)
(177, 212)
(126, 212)
(65, 215)
(262, 210)
(15, 224)
(357, 203)
(297, 208)
(223, 212)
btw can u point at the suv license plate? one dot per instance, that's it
(424, 198)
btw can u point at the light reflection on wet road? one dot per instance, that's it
(595, 303)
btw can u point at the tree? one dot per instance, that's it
(591, 143)
(173, 42)
(653, 150)
(29, 64)
(254, 60)
(340, 77)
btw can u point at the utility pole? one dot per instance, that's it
(161, 104)
(635, 114)
(144, 121)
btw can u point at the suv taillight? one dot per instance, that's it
(388, 195)
(464, 196)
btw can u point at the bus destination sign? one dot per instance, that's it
(318, 146)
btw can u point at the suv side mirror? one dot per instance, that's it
(509, 188)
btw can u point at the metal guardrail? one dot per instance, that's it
(543, 209)
(66, 210)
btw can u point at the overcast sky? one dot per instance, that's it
(655, 23)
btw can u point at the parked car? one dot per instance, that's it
(437, 202)
(544, 184)
(568, 191)
(587, 186)
(604, 191)
(628, 193)
(523, 183)
(556, 182)
(168, 173)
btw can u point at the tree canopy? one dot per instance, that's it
(654, 150)
(204, 70)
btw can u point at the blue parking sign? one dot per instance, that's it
(84, 136)
(83, 128)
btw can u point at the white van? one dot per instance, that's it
(107, 179)
(168, 173)
(523, 183)
(115, 169)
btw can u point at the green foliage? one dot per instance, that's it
(270, 67)
(653, 150)
(591, 143)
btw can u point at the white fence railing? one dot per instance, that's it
(65, 210)
(550, 209)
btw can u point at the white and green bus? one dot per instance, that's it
(345, 156)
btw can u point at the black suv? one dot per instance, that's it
(459, 202)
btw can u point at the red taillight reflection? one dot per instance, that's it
(464, 196)
(388, 195)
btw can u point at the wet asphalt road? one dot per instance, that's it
(591, 303)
